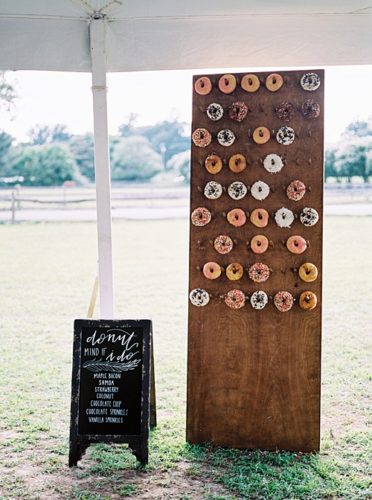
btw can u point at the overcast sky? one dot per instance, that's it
(53, 97)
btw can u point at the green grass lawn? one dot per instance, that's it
(46, 275)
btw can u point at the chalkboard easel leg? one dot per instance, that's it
(152, 390)
(141, 452)
(77, 450)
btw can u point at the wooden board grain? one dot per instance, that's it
(254, 376)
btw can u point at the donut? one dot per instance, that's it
(227, 83)
(201, 216)
(250, 83)
(309, 216)
(237, 190)
(238, 111)
(212, 270)
(310, 109)
(201, 137)
(213, 190)
(310, 81)
(273, 163)
(215, 111)
(234, 271)
(226, 137)
(296, 244)
(203, 85)
(258, 272)
(308, 272)
(199, 297)
(284, 217)
(285, 136)
(283, 301)
(259, 300)
(235, 299)
(236, 217)
(213, 164)
(296, 190)
(308, 300)
(274, 82)
(260, 190)
(285, 111)
(261, 135)
(237, 163)
(259, 217)
(259, 244)
(223, 244)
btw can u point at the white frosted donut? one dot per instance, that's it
(260, 190)
(237, 190)
(273, 163)
(226, 137)
(309, 216)
(259, 299)
(284, 217)
(310, 81)
(213, 190)
(215, 111)
(285, 135)
(199, 297)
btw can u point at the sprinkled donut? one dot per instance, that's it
(203, 85)
(310, 81)
(250, 83)
(227, 83)
(285, 111)
(310, 109)
(259, 244)
(213, 164)
(308, 272)
(226, 137)
(201, 216)
(234, 271)
(309, 216)
(274, 82)
(285, 136)
(273, 163)
(199, 297)
(235, 299)
(237, 190)
(223, 244)
(201, 137)
(308, 300)
(259, 217)
(213, 190)
(283, 301)
(259, 273)
(236, 217)
(215, 111)
(296, 244)
(237, 163)
(296, 190)
(284, 217)
(238, 111)
(259, 300)
(212, 270)
(261, 135)
(260, 190)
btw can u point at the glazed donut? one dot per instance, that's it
(213, 190)
(199, 297)
(309, 216)
(250, 83)
(259, 244)
(259, 273)
(237, 190)
(201, 137)
(259, 299)
(273, 163)
(284, 217)
(296, 190)
(285, 111)
(237, 163)
(308, 300)
(236, 217)
(261, 135)
(215, 111)
(285, 136)
(226, 137)
(203, 85)
(212, 270)
(296, 244)
(308, 272)
(235, 299)
(234, 271)
(213, 164)
(227, 83)
(238, 111)
(283, 301)
(259, 217)
(260, 190)
(223, 244)
(201, 216)
(274, 82)
(310, 109)
(310, 81)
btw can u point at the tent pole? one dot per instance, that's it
(102, 167)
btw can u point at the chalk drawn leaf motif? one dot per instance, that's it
(107, 366)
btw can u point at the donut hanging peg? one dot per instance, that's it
(296, 190)
(310, 109)
(213, 190)
(285, 111)
(199, 297)
(235, 299)
(226, 137)
(308, 272)
(234, 271)
(236, 217)
(250, 83)
(273, 163)
(238, 111)
(212, 270)
(309, 216)
(274, 82)
(237, 163)
(310, 81)
(284, 217)
(215, 111)
(260, 190)
(203, 85)
(237, 190)
(259, 217)
(227, 83)
(261, 135)
(213, 164)
(296, 244)
(201, 137)
(201, 216)
(259, 273)
(259, 300)
(283, 301)
(285, 136)
(223, 244)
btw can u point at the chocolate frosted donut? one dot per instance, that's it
(235, 299)
(309, 216)
(285, 136)
(201, 216)
(201, 137)
(260, 190)
(226, 137)
(296, 190)
(259, 300)
(259, 273)
(238, 111)
(310, 81)
(284, 217)
(223, 244)
(215, 111)
(273, 163)
(213, 190)
(199, 297)
(310, 109)
(283, 301)
(285, 111)
(237, 190)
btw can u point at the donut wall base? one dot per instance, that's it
(254, 375)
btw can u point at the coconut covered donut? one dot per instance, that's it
(236, 217)
(201, 137)
(273, 163)
(223, 244)
(215, 111)
(235, 299)
(259, 273)
(296, 190)
(310, 81)
(237, 163)
(213, 164)
(285, 111)
(201, 216)
(260, 190)
(259, 217)
(259, 300)
(310, 109)
(226, 137)
(227, 83)
(284, 217)
(308, 300)
(250, 83)
(237, 190)
(296, 244)
(238, 111)
(259, 244)
(274, 82)
(309, 216)
(234, 271)
(213, 190)
(199, 297)
(261, 135)
(203, 85)
(283, 301)
(308, 272)
(212, 270)
(285, 136)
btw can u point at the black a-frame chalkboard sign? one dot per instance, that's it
(111, 376)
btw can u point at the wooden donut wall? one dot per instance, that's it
(254, 375)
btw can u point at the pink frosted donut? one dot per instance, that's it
(223, 244)
(296, 190)
(236, 217)
(283, 301)
(201, 137)
(212, 270)
(296, 244)
(259, 244)
(259, 217)
(235, 299)
(259, 272)
(201, 216)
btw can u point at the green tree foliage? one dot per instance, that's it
(351, 159)
(180, 164)
(44, 134)
(82, 149)
(330, 159)
(358, 129)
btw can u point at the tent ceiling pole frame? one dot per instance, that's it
(102, 167)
